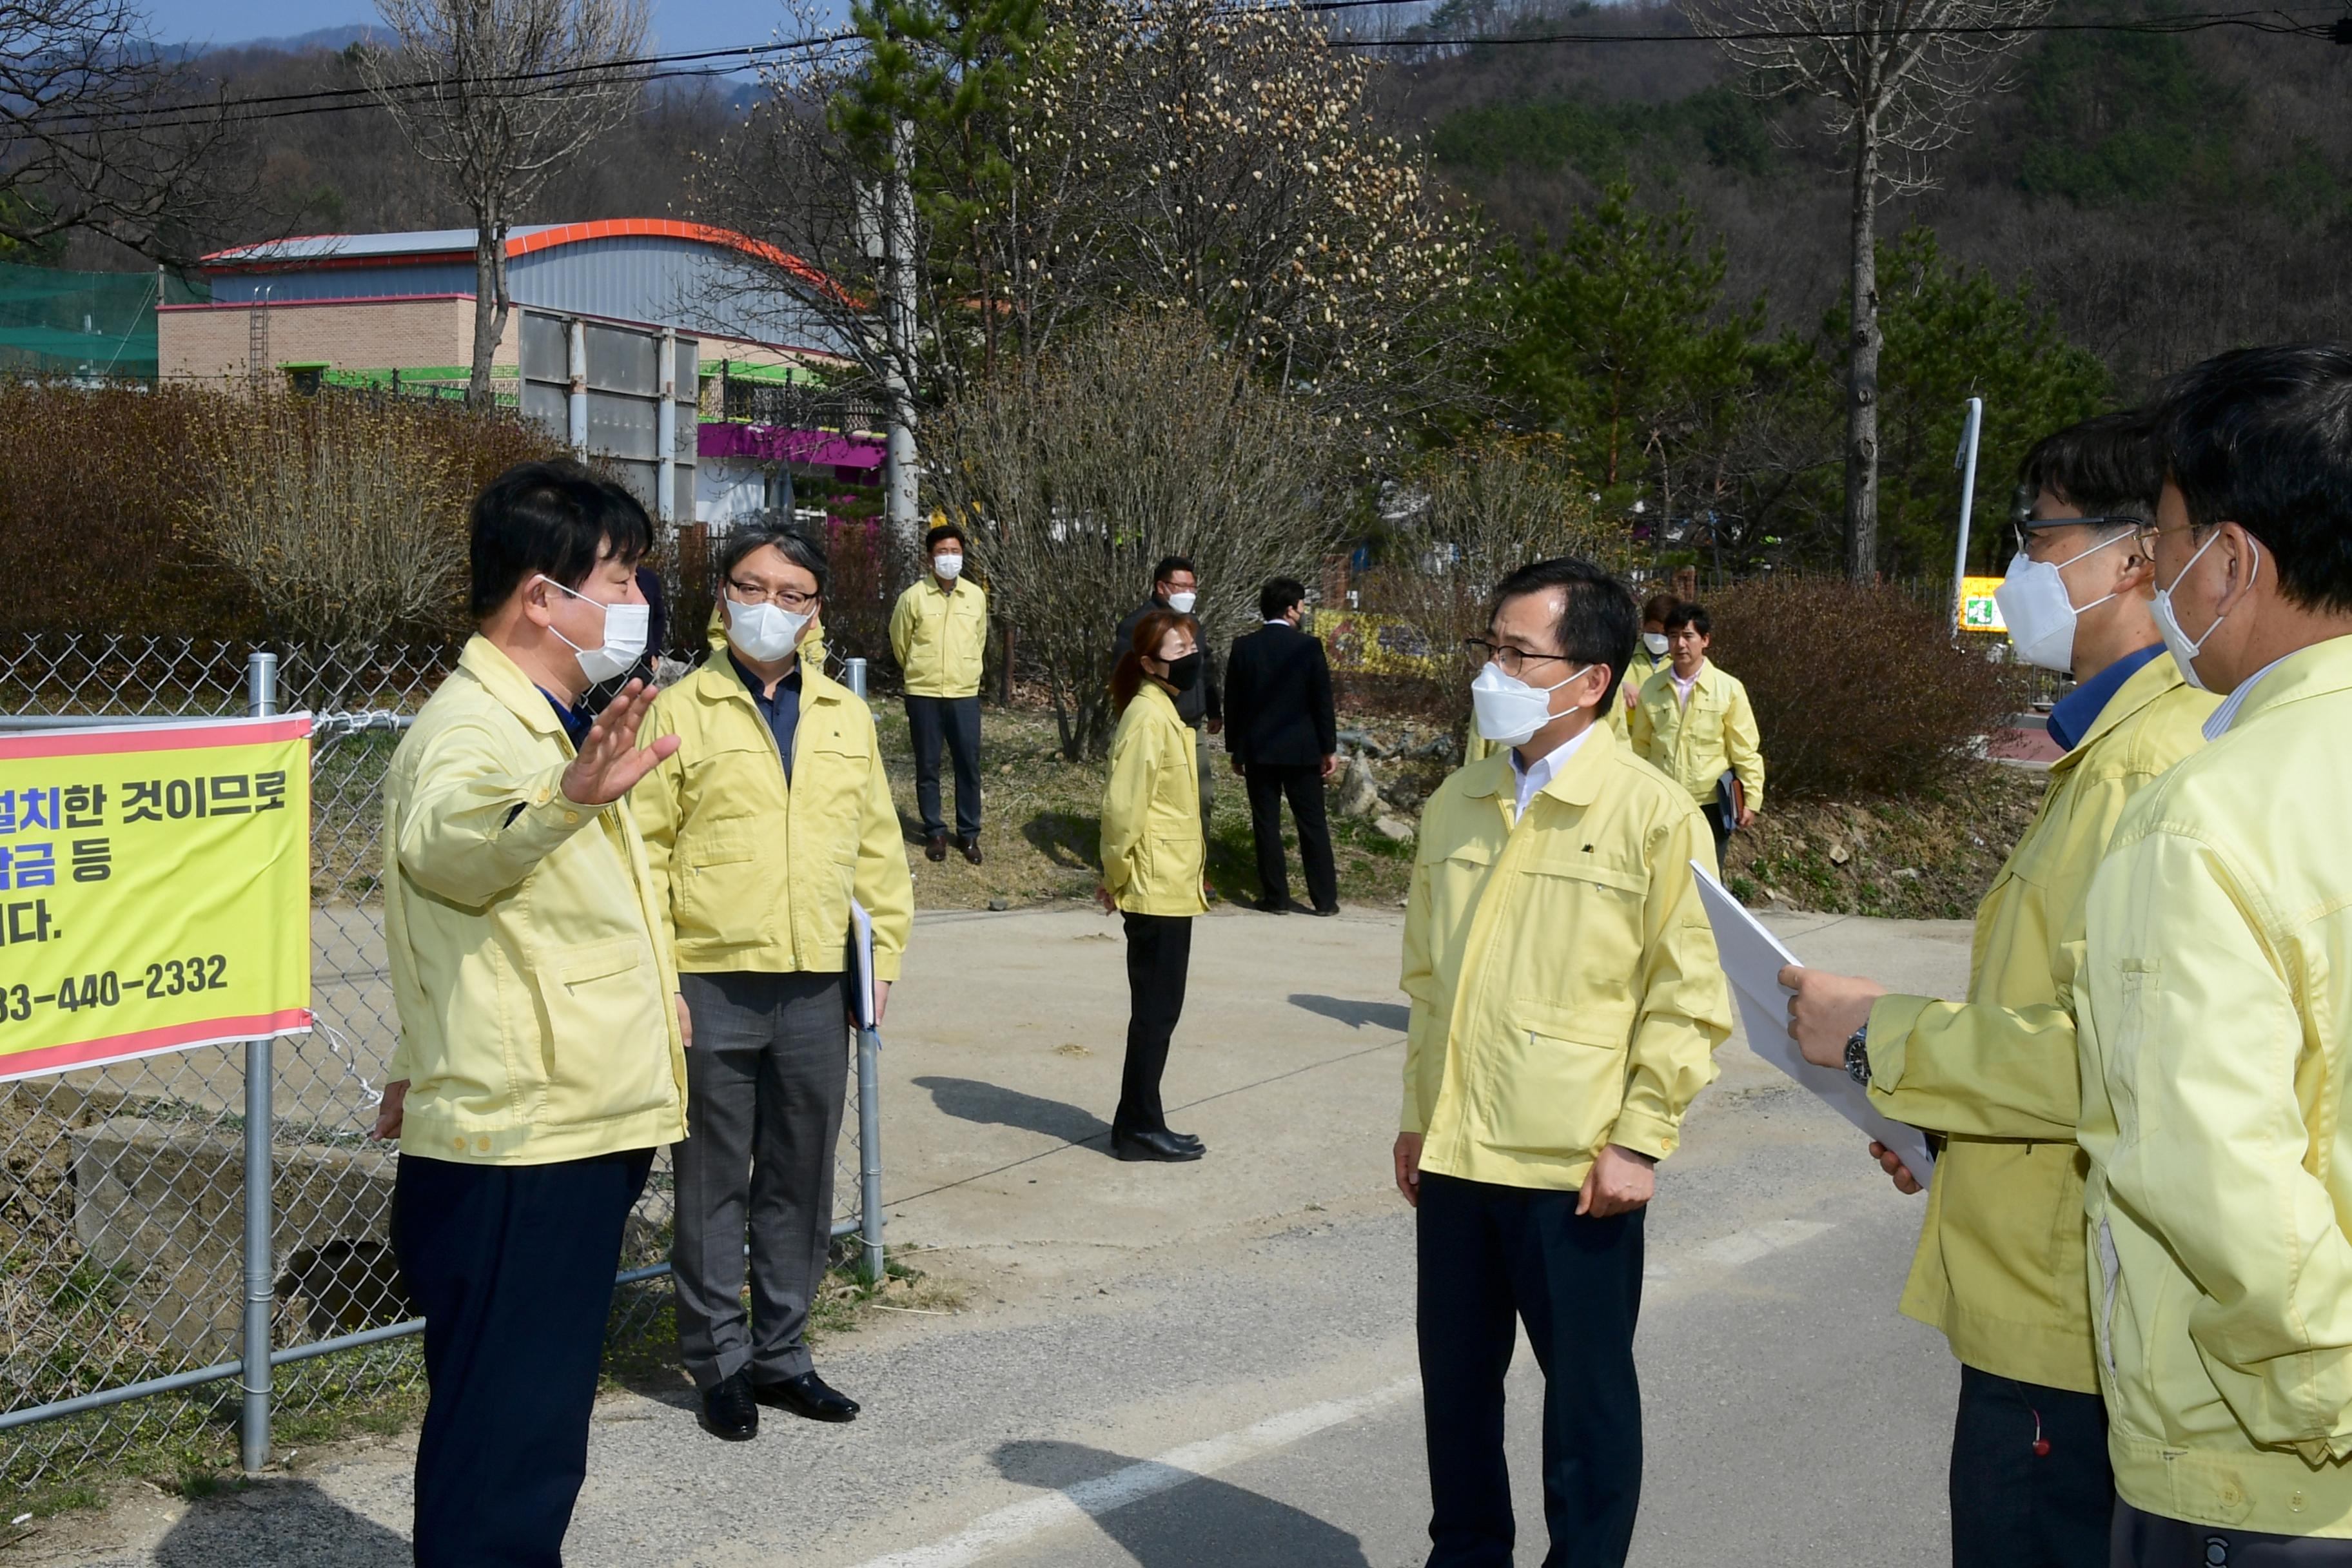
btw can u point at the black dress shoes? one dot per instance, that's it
(1169, 1147)
(1327, 908)
(807, 1394)
(935, 847)
(970, 847)
(728, 1410)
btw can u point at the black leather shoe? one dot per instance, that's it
(807, 1394)
(728, 1411)
(1190, 1140)
(970, 847)
(1162, 1146)
(1271, 906)
(1327, 908)
(935, 847)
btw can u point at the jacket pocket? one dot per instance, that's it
(714, 887)
(1563, 1091)
(604, 1040)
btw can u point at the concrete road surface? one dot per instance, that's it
(1213, 1363)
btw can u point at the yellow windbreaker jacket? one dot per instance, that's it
(752, 873)
(1693, 746)
(1999, 1264)
(941, 640)
(1152, 853)
(2216, 996)
(1566, 992)
(529, 960)
(1628, 692)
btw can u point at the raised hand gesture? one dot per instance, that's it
(611, 762)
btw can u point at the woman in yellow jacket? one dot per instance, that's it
(1153, 854)
(775, 815)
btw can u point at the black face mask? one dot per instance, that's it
(1184, 673)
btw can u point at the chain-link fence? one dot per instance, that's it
(123, 1285)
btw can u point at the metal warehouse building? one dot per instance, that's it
(621, 330)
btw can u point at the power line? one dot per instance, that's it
(2251, 21)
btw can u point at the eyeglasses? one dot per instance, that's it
(1509, 659)
(2026, 526)
(782, 598)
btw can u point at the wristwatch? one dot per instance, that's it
(1857, 1055)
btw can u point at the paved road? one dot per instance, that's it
(1213, 1364)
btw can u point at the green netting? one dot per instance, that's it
(55, 322)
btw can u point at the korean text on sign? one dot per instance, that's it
(154, 890)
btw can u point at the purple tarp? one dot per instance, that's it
(768, 443)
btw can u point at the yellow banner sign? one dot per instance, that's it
(154, 890)
(1978, 611)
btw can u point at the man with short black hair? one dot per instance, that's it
(1567, 1001)
(1176, 586)
(939, 633)
(540, 1059)
(2215, 993)
(1997, 1074)
(1284, 743)
(777, 814)
(1695, 724)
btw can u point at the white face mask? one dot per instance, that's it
(949, 567)
(2168, 623)
(1509, 710)
(1656, 642)
(2038, 610)
(764, 632)
(1182, 603)
(626, 627)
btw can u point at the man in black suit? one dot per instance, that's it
(1285, 741)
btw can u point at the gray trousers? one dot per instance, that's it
(765, 1080)
(2150, 1540)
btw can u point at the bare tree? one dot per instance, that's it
(497, 95)
(102, 132)
(1136, 438)
(1895, 81)
(345, 514)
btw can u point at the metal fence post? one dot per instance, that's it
(260, 1264)
(869, 1151)
(853, 675)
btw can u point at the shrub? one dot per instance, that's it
(1858, 690)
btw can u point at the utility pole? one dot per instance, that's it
(1965, 460)
(898, 227)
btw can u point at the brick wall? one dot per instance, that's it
(206, 343)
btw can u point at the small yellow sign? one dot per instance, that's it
(154, 890)
(1978, 611)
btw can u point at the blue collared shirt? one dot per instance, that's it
(782, 712)
(575, 724)
(2072, 717)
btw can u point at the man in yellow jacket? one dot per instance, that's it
(1999, 1266)
(1694, 723)
(774, 817)
(939, 633)
(2216, 992)
(1567, 1001)
(540, 1056)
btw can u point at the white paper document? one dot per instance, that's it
(861, 963)
(1752, 960)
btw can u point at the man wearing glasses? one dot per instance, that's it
(1567, 1001)
(2001, 1269)
(774, 815)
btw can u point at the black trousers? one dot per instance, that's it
(2012, 1508)
(1159, 956)
(766, 1082)
(954, 722)
(1491, 1257)
(1269, 783)
(2151, 1541)
(513, 1266)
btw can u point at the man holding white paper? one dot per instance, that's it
(1999, 1267)
(1567, 1002)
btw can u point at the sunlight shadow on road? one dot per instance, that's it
(1200, 1519)
(1356, 1015)
(286, 1524)
(969, 1099)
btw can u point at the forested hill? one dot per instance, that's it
(2169, 194)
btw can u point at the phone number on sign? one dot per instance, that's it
(172, 977)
